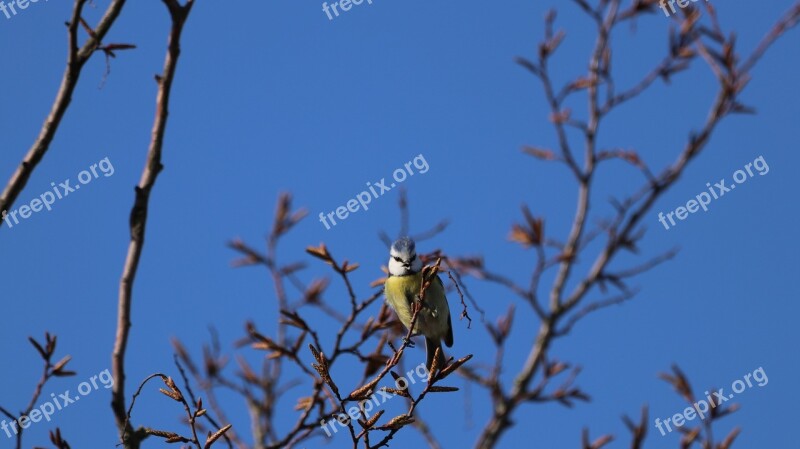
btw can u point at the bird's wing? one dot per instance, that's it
(448, 337)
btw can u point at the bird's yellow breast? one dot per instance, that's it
(400, 293)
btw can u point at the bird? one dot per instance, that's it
(401, 290)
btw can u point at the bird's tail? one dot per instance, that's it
(430, 350)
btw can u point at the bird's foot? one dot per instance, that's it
(408, 342)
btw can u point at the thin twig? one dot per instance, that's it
(138, 217)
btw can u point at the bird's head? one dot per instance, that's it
(403, 259)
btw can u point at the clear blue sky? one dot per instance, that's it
(272, 96)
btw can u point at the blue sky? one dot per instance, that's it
(273, 97)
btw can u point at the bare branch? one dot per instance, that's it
(138, 220)
(76, 59)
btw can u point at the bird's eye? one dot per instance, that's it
(396, 258)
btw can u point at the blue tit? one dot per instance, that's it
(401, 290)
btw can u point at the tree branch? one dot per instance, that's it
(138, 221)
(76, 59)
